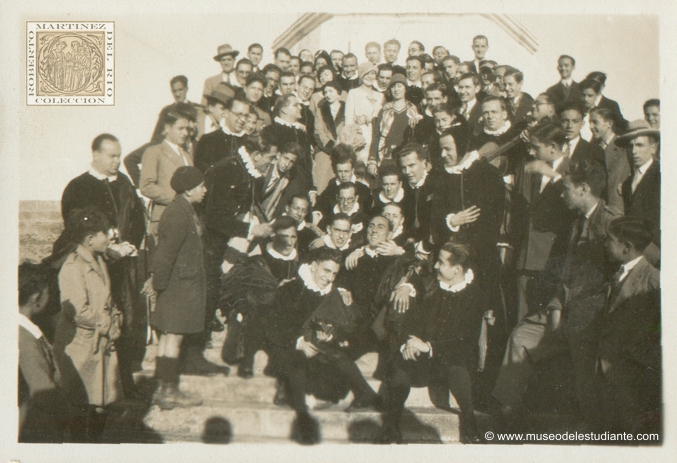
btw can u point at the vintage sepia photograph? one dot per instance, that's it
(267, 231)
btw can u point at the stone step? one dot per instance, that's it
(261, 389)
(41, 231)
(40, 206)
(258, 421)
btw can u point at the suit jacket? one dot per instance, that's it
(519, 113)
(630, 332)
(620, 123)
(327, 129)
(586, 150)
(348, 84)
(549, 222)
(559, 94)
(475, 118)
(214, 147)
(583, 271)
(646, 201)
(618, 170)
(157, 167)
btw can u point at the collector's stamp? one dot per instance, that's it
(70, 63)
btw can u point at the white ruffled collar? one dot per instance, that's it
(398, 197)
(351, 212)
(294, 125)
(466, 162)
(226, 130)
(307, 278)
(467, 279)
(420, 183)
(248, 163)
(499, 131)
(276, 255)
(100, 176)
(330, 244)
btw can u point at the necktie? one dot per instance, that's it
(603, 144)
(567, 149)
(184, 156)
(464, 112)
(635, 180)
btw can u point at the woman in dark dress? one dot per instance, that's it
(178, 281)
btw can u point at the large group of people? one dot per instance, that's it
(328, 206)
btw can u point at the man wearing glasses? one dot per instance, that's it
(225, 142)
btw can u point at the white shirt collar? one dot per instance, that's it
(499, 131)
(572, 144)
(567, 82)
(248, 163)
(307, 278)
(353, 179)
(467, 279)
(295, 125)
(627, 267)
(398, 231)
(330, 244)
(557, 162)
(174, 147)
(370, 252)
(351, 212)
(99, 176)
(598, 99)
(420, 183)
(31, 327)
(353, 77)
(300, 226)
(644, 167)
(470, 105)
(276, 255)
(591, 211)
(398, 197)
(416, 84)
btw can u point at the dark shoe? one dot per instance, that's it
(245, 372)
(193, 363)
(374, 403)
(389, 434)
(306, 429)
(230, 352)
(216, 326)
(281, 398)
(172, 397)
(469, 432)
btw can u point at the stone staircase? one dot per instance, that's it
(242, 410)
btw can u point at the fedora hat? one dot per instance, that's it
(224, 50)
(637, 129)
(222, 94)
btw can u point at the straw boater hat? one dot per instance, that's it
(225, 50)
(637, 129)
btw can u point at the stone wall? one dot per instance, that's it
(40, 224)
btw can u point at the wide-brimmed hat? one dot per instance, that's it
(222, 94)
(365, 68)
(397, 79)
(636, 129)
(224, 50)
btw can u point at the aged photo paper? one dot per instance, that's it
(72, 70)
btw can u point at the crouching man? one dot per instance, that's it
(440, 342)
(306, 330)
